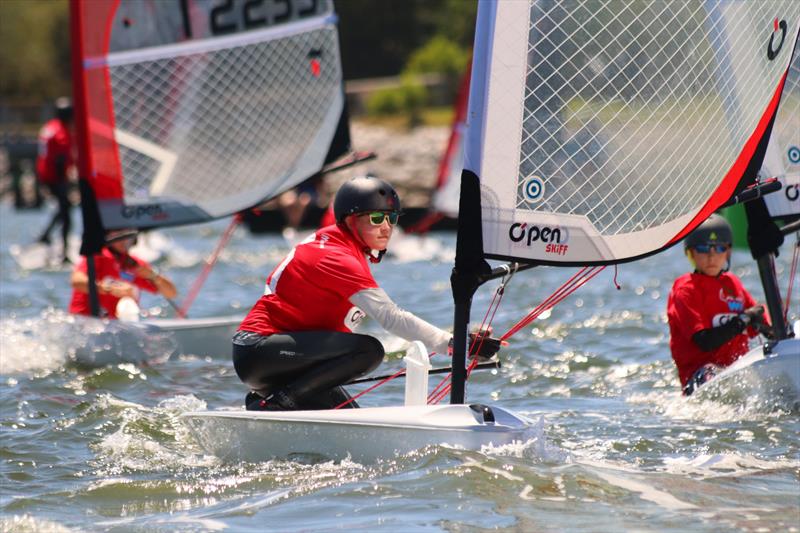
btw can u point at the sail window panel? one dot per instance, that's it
(581, 105)
(614, 89)
(223, 121)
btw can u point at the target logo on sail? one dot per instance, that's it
(519, 232)
(533, 189)
(794, 154)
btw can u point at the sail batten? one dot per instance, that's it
(601, 132)
(154, 53)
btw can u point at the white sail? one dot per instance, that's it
(196, 110)
(782, 159)
(601, 132)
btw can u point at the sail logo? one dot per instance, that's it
(772, 48)
(794, 154)
(314, 62)
(519, 232)
(792, 192)
(152, 211)
(533, 189)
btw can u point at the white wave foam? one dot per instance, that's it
(56, 338)
(138, 444)
(534, 446)
(725, 465)
(26, 523)
(733, 407)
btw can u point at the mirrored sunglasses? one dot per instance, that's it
(376, 218)
(707, 248)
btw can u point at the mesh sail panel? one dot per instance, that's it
(206, 126)
(246, 112)
(605, 127)
(783, 153)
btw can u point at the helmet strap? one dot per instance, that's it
(375, 259)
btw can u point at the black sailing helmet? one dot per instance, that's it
(715, 230)
(362, 195)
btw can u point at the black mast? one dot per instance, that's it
(93, 233)
(765, 238)
(469, 272)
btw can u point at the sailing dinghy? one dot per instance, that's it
(772, 371)
(597, 134)
(187, 112)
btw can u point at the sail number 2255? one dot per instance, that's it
(230, 16)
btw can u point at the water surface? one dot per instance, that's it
(615, 447)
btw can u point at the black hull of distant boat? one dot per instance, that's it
(273, 221)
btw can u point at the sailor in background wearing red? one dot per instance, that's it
(711, 315)
(119, 275)
(296, 347)
(54, 159)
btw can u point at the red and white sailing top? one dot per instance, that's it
(325, 284)
(107, 265)
(311, 289)
(699, 302)
(55, 142)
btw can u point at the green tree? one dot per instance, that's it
(34, 56)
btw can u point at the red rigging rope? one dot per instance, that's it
(209, 264)
(443, 388)
(792, 272)
(570, 286)
(378, 384)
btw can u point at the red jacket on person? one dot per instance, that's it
(107, 265)
(311, 288)
(699, 302)
(55, 142)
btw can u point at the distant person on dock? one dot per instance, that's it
(119, 274)
(54, 159)
(296, 347)
(301, 206)
(711, 315)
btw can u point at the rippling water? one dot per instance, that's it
(615, 448)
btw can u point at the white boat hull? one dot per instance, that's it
(206, 337)
(365, 434)
(774, 375)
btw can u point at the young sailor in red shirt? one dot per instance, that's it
(296, 347)
(711, 315)
(119, 274)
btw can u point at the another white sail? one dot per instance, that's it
(782, 159)
(197, 110)
(605, 131)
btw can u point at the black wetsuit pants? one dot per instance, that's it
(308, 366)
(60, 191)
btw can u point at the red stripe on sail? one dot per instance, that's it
(456, 129)
(734, 175)
(79, 89)
(102, 150)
